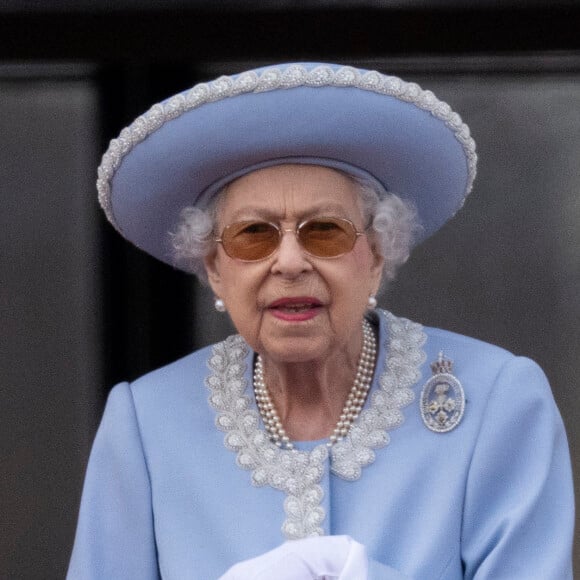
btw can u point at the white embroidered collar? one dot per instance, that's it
(299, 473)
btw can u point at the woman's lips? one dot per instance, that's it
(296, 308)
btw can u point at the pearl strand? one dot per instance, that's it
(351, 410)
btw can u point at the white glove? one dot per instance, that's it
(318, 558)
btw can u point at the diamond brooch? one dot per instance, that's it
(442, 398)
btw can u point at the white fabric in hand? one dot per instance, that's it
(318, 558)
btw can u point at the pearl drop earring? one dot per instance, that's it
(372, 302)
(219, 305)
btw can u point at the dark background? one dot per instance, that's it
(80, 309)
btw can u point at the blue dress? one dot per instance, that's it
(182, 481)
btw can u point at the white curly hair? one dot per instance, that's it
(393, 227)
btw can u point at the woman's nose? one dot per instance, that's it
(290, 258)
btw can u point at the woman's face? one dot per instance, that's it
(291, 306)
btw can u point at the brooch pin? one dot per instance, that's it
(442, 398)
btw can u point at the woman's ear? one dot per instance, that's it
(377, 266)
(211, 263)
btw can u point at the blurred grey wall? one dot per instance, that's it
(50, 363)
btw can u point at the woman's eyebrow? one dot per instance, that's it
(253, 212)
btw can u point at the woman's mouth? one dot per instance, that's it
(295, 309)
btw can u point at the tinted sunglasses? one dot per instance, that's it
(322, 237)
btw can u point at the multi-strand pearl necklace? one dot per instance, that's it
(351, 410)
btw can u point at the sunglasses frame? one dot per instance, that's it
(296, 231)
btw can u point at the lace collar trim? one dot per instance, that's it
(299, 473)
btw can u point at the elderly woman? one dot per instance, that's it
(329, 439)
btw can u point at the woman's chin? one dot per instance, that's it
(296, 350)
(311, 340)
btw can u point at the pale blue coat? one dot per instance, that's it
(492, 499)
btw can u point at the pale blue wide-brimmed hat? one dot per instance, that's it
(183, 150)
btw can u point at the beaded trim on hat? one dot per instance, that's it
(271, 79)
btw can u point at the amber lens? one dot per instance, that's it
(327, 237)
(250, 240)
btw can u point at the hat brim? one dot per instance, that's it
(184, 150)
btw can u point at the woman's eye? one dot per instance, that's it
(322, 226)
(256, 228)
